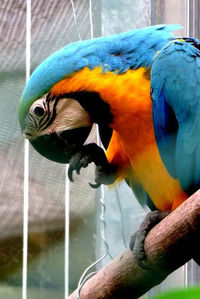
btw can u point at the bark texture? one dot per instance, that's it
(170, 244)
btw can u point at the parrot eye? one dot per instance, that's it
(39, 111)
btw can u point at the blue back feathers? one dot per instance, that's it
(175, 84)
(119, 52)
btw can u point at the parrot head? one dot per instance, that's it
(53, 124)
(56, 124)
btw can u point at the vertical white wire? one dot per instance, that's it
(26, 160)
(66, 234)
(187, 17)
(91, 21)
(186, 266)
(75, 19)
(25, 219)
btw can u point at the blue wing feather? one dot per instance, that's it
(175, 89)
(165, 126)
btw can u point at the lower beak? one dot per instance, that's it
(60, 147)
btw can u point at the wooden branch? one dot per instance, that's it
(170, 244)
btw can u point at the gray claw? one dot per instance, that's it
(95, 186)
(78, 171)
(70, 173)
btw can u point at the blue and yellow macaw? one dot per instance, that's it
(142, 88)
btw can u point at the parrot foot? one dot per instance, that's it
(138, 238)
(86, 154)
(104, 174)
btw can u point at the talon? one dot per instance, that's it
(78, 167)
(70, 173)
(95, 186)
(138, 238)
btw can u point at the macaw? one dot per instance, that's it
(142, 89)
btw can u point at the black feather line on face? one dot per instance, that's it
(46, 116)
(49, 117)
(91, 102)
(53, 115)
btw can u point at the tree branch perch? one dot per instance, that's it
(169, 245)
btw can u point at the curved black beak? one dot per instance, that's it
(60, 147)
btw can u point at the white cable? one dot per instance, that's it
(86, 276)
(26, 160)
(91, 21)
(185, 267)
(66, 233)
(75, 19)
(25, 219)
(122, 218)
(188, 18)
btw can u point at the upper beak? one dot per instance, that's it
(60, 147)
